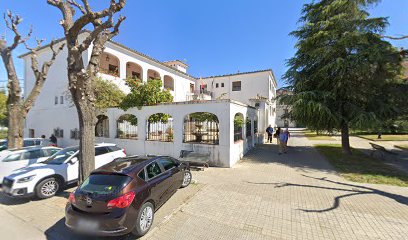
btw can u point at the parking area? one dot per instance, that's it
(266, 196)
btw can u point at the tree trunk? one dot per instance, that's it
(86, 141)
(15, 127)
(345, 142)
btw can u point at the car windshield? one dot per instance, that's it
(61, 156)
(105, 184)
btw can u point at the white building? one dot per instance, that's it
(247, 96)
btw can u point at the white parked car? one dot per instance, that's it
(14, 159)
(45, 179)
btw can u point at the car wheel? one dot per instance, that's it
(144, 220)
(187, 179)
(47, 188)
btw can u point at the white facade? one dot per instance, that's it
(257, 89)
(54, 112)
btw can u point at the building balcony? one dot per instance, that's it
(198, 95)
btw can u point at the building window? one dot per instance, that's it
(255, 127)
(222, 84)
(58, 132)
(203, 88)
(257, 105)
(236, 86)
(75, 134)
(62, 100)
(31, 133)
(56, 100)
(216, 85)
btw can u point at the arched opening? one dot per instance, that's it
(168, 83)
(109, 64)
(248, 126)
(201, 127)
(160, 127)
(152, 74)
(102, 126)
(134, 71)
(238, 126)
(127, 127)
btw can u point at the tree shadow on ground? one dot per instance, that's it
(302, 158)
(61, 232)
(12, 201)
(354, 191)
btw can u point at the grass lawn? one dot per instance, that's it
(313, 136)
(403, 147)
(401, 137)
(362, 168)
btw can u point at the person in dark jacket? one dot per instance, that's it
(278, 131)
(53, 140)
(269, 131)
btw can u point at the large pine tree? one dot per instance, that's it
(342, 69)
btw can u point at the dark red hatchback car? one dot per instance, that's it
(122, 196)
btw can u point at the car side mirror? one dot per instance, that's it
(73, 160)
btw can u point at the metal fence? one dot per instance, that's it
(206, 132)
(238, 130)
(248, 127)
(127, 127)
(160, 131)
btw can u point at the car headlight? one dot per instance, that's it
(26, 179)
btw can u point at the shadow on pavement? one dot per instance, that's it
(12, 201)
(302, 158)
(60, 232)
(355, 190)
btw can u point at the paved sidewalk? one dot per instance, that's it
(293, 196)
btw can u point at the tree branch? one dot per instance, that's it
(79, 6)
(40, 76)
(12, 22)
(395, 38)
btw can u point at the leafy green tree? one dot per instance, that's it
(342, 70)
(204, 116)
(3, 108)
(147, 94)
(107, 94)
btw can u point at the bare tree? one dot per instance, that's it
(18, 107)
(80, 77)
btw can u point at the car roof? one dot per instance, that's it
(127, 165)
(31, 148)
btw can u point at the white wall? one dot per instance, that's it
(225, 154)
(252, 84)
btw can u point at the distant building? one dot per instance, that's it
(282, 111)
(243, 98)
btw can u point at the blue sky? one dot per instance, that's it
(213, 36)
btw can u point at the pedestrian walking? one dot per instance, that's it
(53, 140)
(269, 131)
(283, 145)
(277, 133)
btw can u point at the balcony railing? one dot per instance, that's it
(199, 95)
